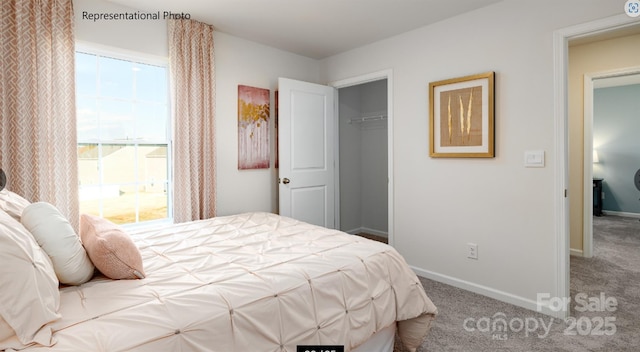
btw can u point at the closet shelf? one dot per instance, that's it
(367, 119)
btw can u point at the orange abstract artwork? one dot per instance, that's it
(253, 128)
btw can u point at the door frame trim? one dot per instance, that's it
(357, 80)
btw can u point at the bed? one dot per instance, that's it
(247, 282)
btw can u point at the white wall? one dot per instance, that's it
(237, 62)
(145, 36)
(441, 204)
(243, 62)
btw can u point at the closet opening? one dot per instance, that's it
(364, 159)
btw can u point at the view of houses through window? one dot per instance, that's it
(123, 138)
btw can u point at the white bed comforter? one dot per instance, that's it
(249, 282)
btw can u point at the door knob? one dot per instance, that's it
(286, 181)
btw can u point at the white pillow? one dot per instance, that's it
(55, 235)
(12, 203)
(29, 296)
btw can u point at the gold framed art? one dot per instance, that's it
(461, 117)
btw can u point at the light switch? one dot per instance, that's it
(534, 158)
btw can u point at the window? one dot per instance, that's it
(124, 144)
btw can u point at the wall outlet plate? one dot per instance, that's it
(472, 251)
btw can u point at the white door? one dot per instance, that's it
(306, 151)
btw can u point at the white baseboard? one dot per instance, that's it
(490, 292)
(369, 231)
(576, 252)
(621, 213)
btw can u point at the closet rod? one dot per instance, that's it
(367, 118)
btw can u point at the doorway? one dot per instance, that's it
(362, 114)
(560, 44)
(364, 155)
(613, 78)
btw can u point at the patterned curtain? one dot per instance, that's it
(37, 102)
(193, 105)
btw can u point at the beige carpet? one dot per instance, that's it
(614, 272)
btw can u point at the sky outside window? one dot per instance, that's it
(123, 138)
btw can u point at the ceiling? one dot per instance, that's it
(312, 28)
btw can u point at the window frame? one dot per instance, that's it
(146, 59)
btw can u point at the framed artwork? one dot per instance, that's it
(253, 128)
(461, 117)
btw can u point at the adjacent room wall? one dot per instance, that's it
(363, 159)
(375, 195)
(237, 62)
(498, 204)
(616, 134)
(597, 57)
(350, 165)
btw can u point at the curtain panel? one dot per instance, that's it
(37, 102)
(193, 105)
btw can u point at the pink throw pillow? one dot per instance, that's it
(111, 250)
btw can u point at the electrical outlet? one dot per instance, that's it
(472, 251)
